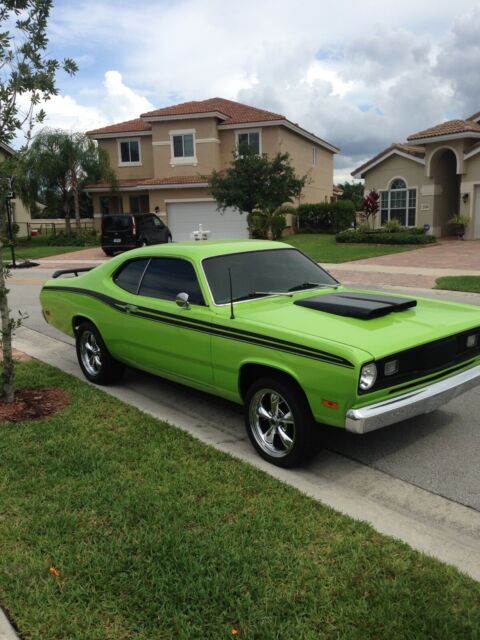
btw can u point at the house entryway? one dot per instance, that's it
(447, 202)
(476, 214)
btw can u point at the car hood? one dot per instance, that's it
(427, 321)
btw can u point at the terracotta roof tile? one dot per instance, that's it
(138, 124)
(104, 184)
(235, 112)
(173, 180)
(416, 151)
(474, 118)
(446, 128)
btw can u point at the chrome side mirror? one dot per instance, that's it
(182, 300)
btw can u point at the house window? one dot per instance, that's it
(399, 203)
(139, 204)
(183, 145)
(314, 156)
(250, 139)
(129, 152)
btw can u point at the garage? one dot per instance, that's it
(184, 218)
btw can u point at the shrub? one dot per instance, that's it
(385, 237)
(392, 225)
(62, 239)
(257, 223)
(326, 217)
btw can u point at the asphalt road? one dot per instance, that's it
(438, 452)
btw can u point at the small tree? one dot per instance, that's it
(256, 182)
(370, 205)
(59, 163)
(352, 191)
(25, 70)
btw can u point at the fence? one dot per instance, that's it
(49, 227)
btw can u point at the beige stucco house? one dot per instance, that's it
(163, 159)
(430, 178)
(21, 215)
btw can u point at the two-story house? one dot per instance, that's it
(430, 178)
(163, 160)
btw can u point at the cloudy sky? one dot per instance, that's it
(359, 74)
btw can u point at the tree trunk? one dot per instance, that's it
(76, 203)
(7, 382)
(68, 226)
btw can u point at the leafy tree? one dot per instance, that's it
(56, 167)
(256, 182)
(352, 191)
(370, 205)
(27, 78)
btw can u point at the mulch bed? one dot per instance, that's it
(33, 404)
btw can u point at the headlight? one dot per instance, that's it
(472, 341)
(368, 376)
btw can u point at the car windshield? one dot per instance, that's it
(258, 273)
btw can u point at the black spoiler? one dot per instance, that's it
(63, 272)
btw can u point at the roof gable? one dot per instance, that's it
(410, 152)
(449, 128)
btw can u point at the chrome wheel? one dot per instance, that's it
(90, 353)
(272, 423)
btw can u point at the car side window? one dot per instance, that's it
(167, 277)
(157, 223)
(128, 277)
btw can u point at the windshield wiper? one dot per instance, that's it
(260, 294)
(313, 285)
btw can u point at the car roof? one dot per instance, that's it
(208, 248)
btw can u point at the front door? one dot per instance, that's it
(476, 231)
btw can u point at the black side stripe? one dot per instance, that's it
(211, 328)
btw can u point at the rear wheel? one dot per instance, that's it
(108, 252)
(278, 421)
(94, 359)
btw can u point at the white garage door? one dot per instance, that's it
(184, 217)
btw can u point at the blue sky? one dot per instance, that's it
(359, 74)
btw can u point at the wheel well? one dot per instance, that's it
(251, 372)
(77, 321)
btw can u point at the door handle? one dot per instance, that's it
(129, 308)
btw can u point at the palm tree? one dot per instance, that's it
(60, 163)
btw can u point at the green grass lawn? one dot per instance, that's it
(157, 536)
(38, 247)
(459, 283)
(323, 248)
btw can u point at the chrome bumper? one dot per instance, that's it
(414, 403)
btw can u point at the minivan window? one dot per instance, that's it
(167, 277)
(116, 223)
(129, 276)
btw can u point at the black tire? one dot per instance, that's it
(98, 367)
(108, 252)
(143, 243)
(169, 239)
(299, 429)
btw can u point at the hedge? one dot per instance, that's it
(385, 237)
(325, 217)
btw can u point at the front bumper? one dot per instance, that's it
(413, 403)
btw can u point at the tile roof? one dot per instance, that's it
(138, 124)
(474, 118)
(416, 151)
(235, 112)
(447, 128)
(150, 182)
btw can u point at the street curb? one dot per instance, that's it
(6, 630)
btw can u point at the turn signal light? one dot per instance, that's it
(330, 404)
(472, 340)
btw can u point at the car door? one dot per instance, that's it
(159, 335)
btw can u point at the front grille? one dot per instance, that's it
(427, 359)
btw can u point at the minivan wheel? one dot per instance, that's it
(94, 359)
(278, 421)
(108, 252)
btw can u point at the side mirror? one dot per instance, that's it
(182, 300)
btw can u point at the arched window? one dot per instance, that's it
(399, 203)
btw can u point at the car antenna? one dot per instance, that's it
(232, 315)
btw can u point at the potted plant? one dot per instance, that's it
(459, 224)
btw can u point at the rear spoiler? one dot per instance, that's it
(63, 272)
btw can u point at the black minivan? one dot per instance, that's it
(122, 231)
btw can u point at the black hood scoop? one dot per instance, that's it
(365, 306)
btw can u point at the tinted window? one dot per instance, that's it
(128, 277)
(166, 277)
(116, 223)
(252, 272)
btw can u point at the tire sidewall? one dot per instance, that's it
(111, 370)
(301, 413)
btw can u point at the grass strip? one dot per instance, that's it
(459, 283)
(324, 248)
(157, 536)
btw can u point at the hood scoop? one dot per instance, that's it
(365, 306)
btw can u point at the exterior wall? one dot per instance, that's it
(145, 170)
(470, 180)
(380, 177)
(207, 148)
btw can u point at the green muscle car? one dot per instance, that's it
(259, 323)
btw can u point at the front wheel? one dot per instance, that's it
(94, 359)
(278, 421)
